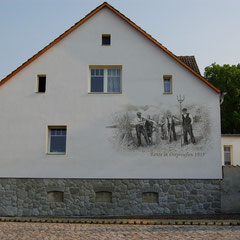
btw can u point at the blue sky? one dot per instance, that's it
(207, 29)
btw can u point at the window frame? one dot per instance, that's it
(231, 155)
(48, 139)
(170, 77)
(105, 68)
(37, 83)
(106, 35)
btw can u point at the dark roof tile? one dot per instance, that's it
(191, 62)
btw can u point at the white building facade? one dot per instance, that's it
(103, 110)
(231, 149)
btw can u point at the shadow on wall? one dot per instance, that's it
(230, 189)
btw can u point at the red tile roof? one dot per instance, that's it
(191, 62)
(96, 10)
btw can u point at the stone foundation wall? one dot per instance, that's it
(35, 197)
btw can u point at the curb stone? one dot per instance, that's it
(201, 222)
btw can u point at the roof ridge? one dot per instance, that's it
(84, 19)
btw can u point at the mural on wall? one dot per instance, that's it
(162, 129)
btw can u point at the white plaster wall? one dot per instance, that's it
(25, 114)
(233, 141)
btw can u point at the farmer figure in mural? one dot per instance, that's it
(150, 126)
(140, 128)
(171, 121)
(187, 121)
(163, 126)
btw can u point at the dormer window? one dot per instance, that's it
(106, 39)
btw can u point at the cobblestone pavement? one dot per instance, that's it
(67, 231)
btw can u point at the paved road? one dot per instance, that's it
(66, 231)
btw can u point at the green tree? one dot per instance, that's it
(227, 78)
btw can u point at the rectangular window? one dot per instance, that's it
(57, 139)
(55, 196)
(97, 80)
(106, 39)
(167, 84)
(227, 155)
(103, 196)
(41, 83)
(150, 197)
(105, 80)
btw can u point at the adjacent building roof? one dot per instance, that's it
(184, 61)
(191, 62)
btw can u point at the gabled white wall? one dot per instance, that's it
(25, 114)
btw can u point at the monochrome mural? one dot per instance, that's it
(162, 128)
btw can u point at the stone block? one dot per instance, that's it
(74, 190)
(206, 206)
(165, 187)
(194, 192)
(179, 194)
(60, 212)
(27, 212)
(180, 201)
(35, 212)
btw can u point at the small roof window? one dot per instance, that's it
(106, 39)
(41, 83)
